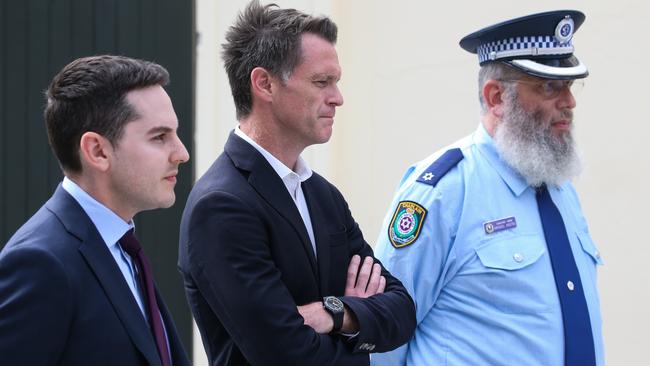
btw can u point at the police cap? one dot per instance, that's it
(538, 44)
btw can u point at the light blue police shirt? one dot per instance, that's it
(485, 296)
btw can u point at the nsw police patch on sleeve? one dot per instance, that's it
(406, 224)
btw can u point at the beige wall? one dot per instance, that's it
(410, 89)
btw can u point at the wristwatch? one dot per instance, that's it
(334, 306)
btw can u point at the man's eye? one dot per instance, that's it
(160, 137)
(559, 85)
(552, 87)
(321, 83)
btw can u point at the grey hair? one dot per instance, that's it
(496, 71)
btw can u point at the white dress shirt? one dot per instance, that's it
(292, 181)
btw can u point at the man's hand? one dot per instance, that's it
(321, 321)
(366, 281)
(317, 317)
(362, 281)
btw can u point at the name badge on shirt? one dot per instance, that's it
(492, 227)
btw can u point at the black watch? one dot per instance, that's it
(335, 307)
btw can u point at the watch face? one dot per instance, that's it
(334, 303)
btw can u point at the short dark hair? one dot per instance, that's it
(89, 94)
(268, 37)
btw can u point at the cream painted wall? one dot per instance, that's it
(410, 89)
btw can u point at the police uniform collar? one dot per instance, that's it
(486, 146)
(538, 44)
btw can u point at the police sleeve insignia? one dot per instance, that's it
(406, 224)
(441, 166)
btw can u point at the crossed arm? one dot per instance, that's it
(363, 280)
(239, 281)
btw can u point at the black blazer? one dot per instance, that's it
(64, 301)
(247, 262)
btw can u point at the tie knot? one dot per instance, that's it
(130, 243)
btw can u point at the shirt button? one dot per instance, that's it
(597, 254)
(518, 257)
(570, 285)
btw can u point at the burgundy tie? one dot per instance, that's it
(131, 245)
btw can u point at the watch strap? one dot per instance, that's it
(335, 307)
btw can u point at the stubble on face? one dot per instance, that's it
(146, 158)
(527, 142)
(307, 102)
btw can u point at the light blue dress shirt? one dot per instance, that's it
(484, 296)
(111, 228)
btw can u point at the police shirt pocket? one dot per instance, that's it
(511, 254)
(514, 274)
(589, 247)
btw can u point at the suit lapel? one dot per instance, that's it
(321, 236)
(176, 350)
(99, 259)
(122, 299)
(270, 187)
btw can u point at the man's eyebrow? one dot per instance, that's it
(159, 129)
(327, 76)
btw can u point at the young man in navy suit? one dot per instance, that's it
(276, 269)
(70, 294)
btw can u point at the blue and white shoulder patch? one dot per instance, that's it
(440, 167)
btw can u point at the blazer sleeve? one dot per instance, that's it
(233, 269)
(387, 320)
(35, 306)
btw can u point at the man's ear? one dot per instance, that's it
(493, 97)
(262, 83)
(95, 151)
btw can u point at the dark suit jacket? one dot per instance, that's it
(64, 301)
(248, 262)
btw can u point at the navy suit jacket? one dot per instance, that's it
(64, 301)
(247, 262)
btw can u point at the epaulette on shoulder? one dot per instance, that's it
(440, 167)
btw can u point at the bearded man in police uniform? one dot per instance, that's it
(488, 235)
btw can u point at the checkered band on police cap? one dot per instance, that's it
(538, 44)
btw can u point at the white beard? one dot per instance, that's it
(525, 141)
